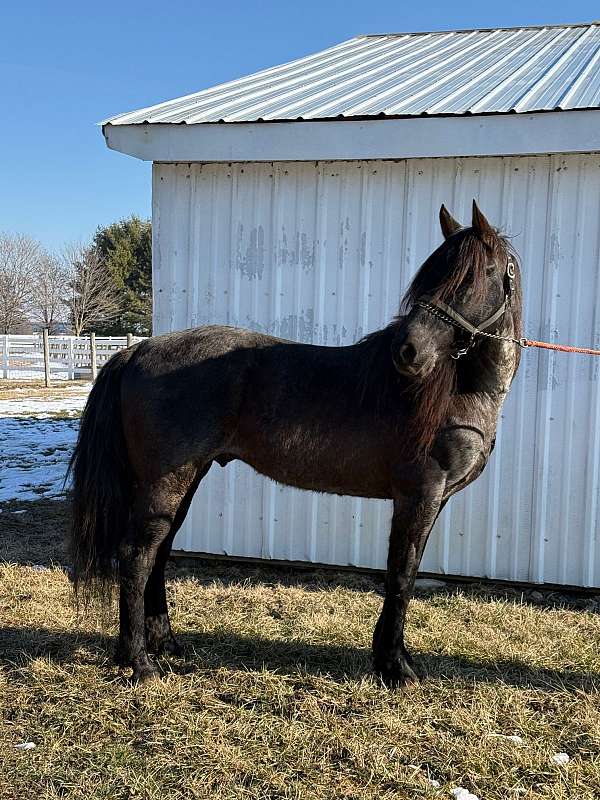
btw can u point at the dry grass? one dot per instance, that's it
(35, 389)
(274, 697)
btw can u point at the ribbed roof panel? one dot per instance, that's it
(453, 72)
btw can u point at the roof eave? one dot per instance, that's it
(341, 140)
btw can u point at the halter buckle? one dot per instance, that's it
(464, 350)
(510, 274)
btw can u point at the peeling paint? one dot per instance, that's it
(305, 251)
(302, 254)
(363, 248)
(250, 257)
(554, 250)
(298, 327)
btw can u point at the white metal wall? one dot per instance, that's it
(321, 253)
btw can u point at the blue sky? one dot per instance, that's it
(66, 65)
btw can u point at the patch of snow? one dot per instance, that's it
(37, 445)
(561, 759)
(463, 794)
(41, 407)
(35, 454)
(25, 746)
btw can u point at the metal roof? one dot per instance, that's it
(491, 71)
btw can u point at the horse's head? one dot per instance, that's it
(464, 284)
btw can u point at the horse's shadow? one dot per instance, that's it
(294, 658)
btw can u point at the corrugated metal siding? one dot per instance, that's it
(321, 253)
(459, 72)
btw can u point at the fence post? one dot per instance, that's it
(5, 358)
(46, 357)
(129, 339)
(93, 356)
(70, 359)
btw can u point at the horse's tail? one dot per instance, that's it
(101, 485)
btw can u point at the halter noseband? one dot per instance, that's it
(448, 315)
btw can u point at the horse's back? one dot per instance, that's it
(183, 388)
(170, 351)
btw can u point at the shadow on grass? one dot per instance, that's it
(210, 651)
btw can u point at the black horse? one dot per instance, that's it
(407, 413)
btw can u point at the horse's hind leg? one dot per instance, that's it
(154, 510)
(159, 636)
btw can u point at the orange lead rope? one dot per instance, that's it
(565, 348)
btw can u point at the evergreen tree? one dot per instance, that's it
(125, 247)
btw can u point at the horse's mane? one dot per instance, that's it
(469, 253)
(377, 375)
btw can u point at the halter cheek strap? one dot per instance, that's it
(447, 314)
(426, 301)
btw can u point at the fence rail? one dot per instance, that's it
(68, 357)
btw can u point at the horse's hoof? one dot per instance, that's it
(396, 673)
(145, 674)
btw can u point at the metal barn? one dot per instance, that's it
(300, 200)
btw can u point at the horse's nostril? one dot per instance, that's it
(407, 353)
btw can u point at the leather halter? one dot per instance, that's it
(448, 315)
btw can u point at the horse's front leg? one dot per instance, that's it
(412, 521)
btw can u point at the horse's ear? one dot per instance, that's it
(447, 222)
(481, 225)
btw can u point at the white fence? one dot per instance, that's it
(70, 357)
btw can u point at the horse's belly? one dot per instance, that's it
(333, 473)
(371, 489)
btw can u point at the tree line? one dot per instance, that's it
(104, 285)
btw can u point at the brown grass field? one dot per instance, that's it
(11, 389)
(274, 697)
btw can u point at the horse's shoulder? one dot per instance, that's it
(462, 451)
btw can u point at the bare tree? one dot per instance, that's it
(91, 296)
(51, 286)
(19, 260)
